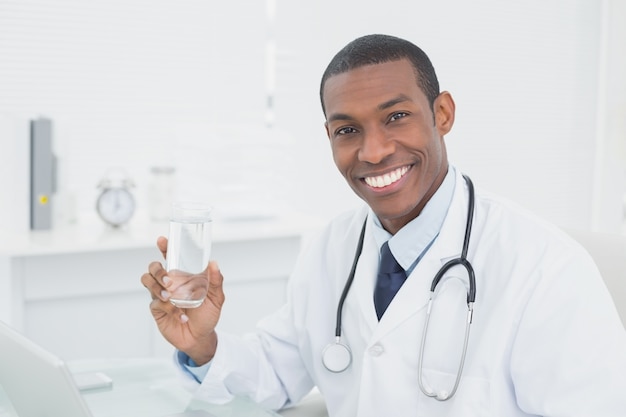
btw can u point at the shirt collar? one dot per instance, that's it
(410, 243)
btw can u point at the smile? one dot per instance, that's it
(386, 179)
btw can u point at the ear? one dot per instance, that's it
(444, 109)
(327, 132)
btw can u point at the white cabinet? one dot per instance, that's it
(77, 291)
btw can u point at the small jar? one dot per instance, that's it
(161, 192)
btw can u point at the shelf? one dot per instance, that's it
(91, 235)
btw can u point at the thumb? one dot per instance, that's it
(216, 279)
(162, 245)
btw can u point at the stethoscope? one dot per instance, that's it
(337, 356)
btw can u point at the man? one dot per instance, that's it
(545, 336)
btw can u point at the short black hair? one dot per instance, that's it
(378, 49)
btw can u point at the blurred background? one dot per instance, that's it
(219, 101)
(227, 94)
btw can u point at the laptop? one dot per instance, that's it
(39, 384)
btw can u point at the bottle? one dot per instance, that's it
(161, 192)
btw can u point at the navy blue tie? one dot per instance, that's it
(391, 276)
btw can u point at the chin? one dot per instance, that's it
(394, 211)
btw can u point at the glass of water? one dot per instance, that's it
(188, 253)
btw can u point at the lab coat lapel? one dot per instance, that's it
(414, 293)
(365, 279)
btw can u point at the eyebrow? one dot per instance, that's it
(383, 106)
(393, 102)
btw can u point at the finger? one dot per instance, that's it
(161, 308)
(162, 245)
(156, 281)
(157, 292)
(216, 280)
(215, 275)
(159, 274)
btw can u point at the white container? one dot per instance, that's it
(161, 192)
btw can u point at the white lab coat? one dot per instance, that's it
(546, 339)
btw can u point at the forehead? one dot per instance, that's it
(372, 85)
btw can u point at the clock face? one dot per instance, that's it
(116, 206)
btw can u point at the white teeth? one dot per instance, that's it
(387, 179)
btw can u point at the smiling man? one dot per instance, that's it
(387, 137)
(545, 338)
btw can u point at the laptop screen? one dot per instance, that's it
(37, 383)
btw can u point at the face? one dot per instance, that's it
(386, 140)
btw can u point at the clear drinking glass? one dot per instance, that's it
(188, 253)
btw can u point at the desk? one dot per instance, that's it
(87, 276)
(147, 387)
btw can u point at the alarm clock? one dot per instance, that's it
(115, 204)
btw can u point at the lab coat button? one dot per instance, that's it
(376, 350)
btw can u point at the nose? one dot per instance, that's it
(376, 146)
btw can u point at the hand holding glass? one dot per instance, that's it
(188, 253)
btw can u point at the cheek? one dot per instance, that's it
(439, 149)
(342, 159)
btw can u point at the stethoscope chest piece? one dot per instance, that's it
(336, 357)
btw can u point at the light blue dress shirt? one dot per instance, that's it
(411, 242)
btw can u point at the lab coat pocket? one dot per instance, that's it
(470, 400)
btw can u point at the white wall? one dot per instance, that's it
(524, 75)
(609, 192)
(539, 87)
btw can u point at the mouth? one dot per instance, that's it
(387, 179)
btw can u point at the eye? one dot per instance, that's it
(345, 131)
(398, 115)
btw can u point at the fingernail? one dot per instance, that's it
(165, 294)
(184, 318)
(166, 280)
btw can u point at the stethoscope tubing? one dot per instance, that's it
(346, 288)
